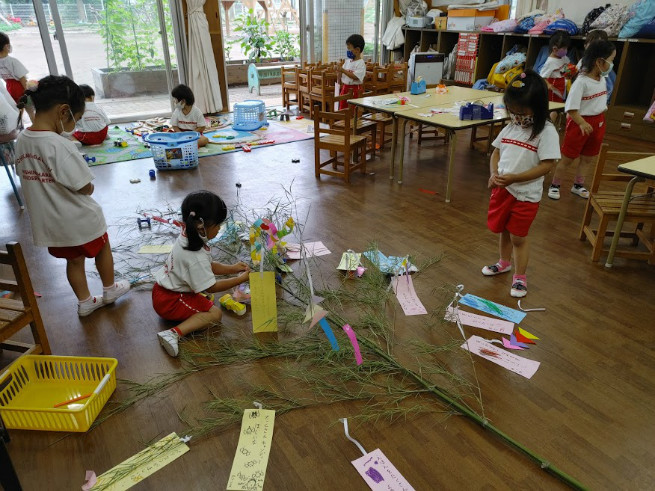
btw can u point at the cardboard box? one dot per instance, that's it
(441, 23)
(469, 19)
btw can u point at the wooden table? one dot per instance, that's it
(642, 169)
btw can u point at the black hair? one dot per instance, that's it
(528, 89)
(596, 49)
(4, 40)
(560, 39)
(183, 93)
(596, 35)
(87, 91)
(53, 90)
(201, 208)
(357, 41)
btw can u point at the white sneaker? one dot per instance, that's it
(89, 306)
(553, 192)
(495, 269)
(519, 289)
(580, 191)
(170, 341)
(119, 289)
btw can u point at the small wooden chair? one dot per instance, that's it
(17, 314)
(338, 140)
(607, 204)
(304, 87)
(398, 77)
(289, 86)
(322, 93)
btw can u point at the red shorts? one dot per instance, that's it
(176, 306)
(90, 249)
(576, 144)
(91, 137)
(15, 89)
(508, 213)
(357, 91)
(560, 86)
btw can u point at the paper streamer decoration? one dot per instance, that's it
(492, 308)
(508, 344)
(89, 480)
(523, 339)
(145, 463)
(527, 334)
(409, 301)
(251, 458)
(353, 340)
(328, 332)
(263, 302)
(510, 361)
(516, 342)
(480, 321)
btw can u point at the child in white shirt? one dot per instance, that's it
(186, 116)
(92, 127)
(556, 68)
(13, 73)
(56, 182)
(353, 69)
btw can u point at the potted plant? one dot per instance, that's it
(286, 44)
(135, 66)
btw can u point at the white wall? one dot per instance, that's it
(578, 9)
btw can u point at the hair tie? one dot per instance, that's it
(192, 214)
(522, 75)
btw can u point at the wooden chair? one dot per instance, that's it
(398, 77)
(338, 140)
(383, 121)
(322, 93)
(290, 86)
(304, 87)
(378, 80)
(17, 314)
(607, 203)
(365, 127)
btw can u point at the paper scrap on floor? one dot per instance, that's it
(510, 361)
(493, 308)
(311, 249)
(409, 301)
(156, 249)
(389, 264)
(251, 457)
(379, 473)
(480, 321)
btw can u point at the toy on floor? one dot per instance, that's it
(249, 145)
(152, 174)
(249, 115)
(88, 159)
(228, 303)
(472, 111)
(119, 142)
(143, 222)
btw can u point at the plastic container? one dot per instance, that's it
(249, 115)
(172, 151)
(34, 384)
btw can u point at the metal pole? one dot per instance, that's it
(164, 43)
(302, 15)
(310, 29)
(376, 47)
(54, 12)
(45, 37)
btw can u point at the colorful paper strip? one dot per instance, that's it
(353, 340)
(251, 458)
(328, 332)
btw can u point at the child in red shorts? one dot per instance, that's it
(585, 123)
(526, 150)
(189, 272)
(92, 127)
(556, 67)
(56, 182)
(353, 70)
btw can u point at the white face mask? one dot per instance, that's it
(179, 105)
(64, 133)
(605, 73)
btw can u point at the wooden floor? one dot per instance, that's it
(587, 410)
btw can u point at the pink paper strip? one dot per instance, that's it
(90, 480)
(353, 340)
(379, 473)
(409, 301)
(481, 321)
(510, 361)
(311, 249)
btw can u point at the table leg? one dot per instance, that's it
(452, 141)
(401, 157)
(394, 139)
(620, 220)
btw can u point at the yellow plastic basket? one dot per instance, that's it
(32, 386)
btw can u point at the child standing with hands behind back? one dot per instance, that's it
(353, 70)
(526, 150)
(189, 272)
(585, 123)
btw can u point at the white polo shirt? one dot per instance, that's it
(519, 154)
(588, 96)
(94, 119)
(358, 67)
(554, 67)
(11, 68)
(188, 122)
(186, 271)
(52, 171)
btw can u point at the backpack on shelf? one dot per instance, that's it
(591, 17)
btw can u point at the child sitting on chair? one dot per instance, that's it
(353, 70)
(186, 116)
(92, 127)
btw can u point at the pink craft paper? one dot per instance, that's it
(507, 344)
(510, 361)
(318, 315)
(353, 340)
(379, 473)
(311, 249)
(481, 321)
(90, 480)
(409, 301)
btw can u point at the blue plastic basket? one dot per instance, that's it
(249, 115)
(172, 151)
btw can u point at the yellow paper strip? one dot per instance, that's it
(156, 249)
(527, 334)
(138, 467)
(251, 458)
(263, 302)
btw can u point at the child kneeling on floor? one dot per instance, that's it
(181, 285)
(92, 127)
(56, 182)
(526, 150)
(186, 116)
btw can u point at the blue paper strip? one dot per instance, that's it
(330, 335)
(492, 308)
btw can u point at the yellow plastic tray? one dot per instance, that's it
(34, 384)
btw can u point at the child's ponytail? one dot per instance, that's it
(201, 210)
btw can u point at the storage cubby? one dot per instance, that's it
(429, 40)
(489, 52)
(447, 41)
(510, 40)
(534, 46)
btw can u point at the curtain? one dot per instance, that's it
(202, 76)
(524, 7)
